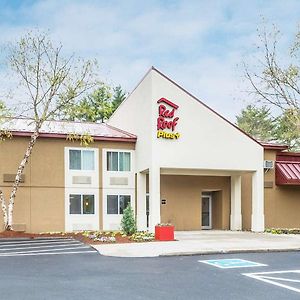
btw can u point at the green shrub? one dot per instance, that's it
(128, 224)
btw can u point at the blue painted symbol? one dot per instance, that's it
(231, 263)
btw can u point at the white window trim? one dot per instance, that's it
(71, 219)
(106, 175)
(81, 160)
(94, 174)
(118, 195)
(112, 221)
(81, 204)
(118, 151)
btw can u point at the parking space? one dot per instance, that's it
(45, 246)
(282, 273)
(287, 279)
(231, 263)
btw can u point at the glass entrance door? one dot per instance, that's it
(206, 212)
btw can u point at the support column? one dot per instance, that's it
(141, 202)
(154, 202)
(258, 218)
(236, 203)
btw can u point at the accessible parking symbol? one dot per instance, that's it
(231, 263)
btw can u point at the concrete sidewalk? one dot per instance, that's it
(205, 242)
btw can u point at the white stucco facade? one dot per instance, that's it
(208, 145)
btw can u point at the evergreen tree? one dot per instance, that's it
(97, 106)
(257, 121)
(128, 223)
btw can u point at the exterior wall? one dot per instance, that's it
(220, 210)
(40, 201)
(135, 115)
(282, 203)
(183, 196)
(207, 141)
(246, 201)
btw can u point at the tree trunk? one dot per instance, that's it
(9, 216)
(4, 208)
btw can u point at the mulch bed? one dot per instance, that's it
(78, 236)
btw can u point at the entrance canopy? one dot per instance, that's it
(287, 172)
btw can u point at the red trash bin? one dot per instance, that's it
(164, 232)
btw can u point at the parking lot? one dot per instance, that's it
(81, 273)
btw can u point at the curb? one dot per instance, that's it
(206, 252)
(212, 252)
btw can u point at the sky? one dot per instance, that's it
(199, 44)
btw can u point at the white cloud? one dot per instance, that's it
(197, 43)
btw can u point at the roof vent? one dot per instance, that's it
(268, 164)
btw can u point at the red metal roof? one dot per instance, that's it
(287, 172)
(61, 129)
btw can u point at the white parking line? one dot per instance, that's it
(39, 243)
(33, 241)
(3, 244)
(46, 250)
(55, 253)
(283, 279)
(264, 276)
(43, 246)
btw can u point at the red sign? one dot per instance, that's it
(166, 119)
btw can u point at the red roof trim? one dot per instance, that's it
(168, 102)
(64, 136)
(288, 154)
(205, 105)
(274, 147)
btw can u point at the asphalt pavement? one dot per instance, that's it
(92, 276)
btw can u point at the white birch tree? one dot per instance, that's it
(51, 81)
(275, 82)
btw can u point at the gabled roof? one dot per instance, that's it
(195, 98)
(266, 145)
(61, 129)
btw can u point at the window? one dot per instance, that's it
(82, 204)
(117, 203)
(82, 160)
(118, 161)
(112, 204)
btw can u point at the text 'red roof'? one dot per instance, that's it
(287, 172)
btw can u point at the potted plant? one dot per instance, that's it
(164, 232)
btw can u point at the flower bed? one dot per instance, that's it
(283, 230)
(88, 237)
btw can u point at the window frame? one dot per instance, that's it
(118, 155)
(81, 160)
(81, 204)
(118, 195)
